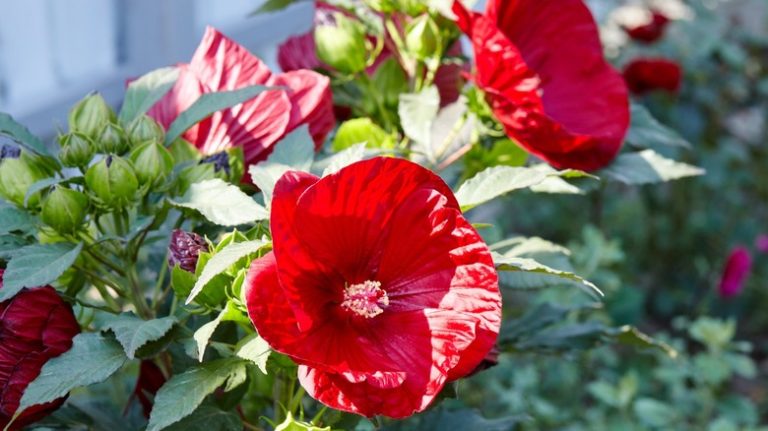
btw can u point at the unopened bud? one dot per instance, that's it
(18, 171)
(422, 38)
(64, 209)
(145, 129)
(342, 46)
(90, 115)
(152, 163)
(185, 249)
(76, 150)
(113, 182)
(112, 140)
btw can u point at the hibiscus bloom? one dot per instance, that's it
(35, 326)
(219, 64)
(736, 272)
(644, 75)
(377, 287)
(541, 66)
(651, 31)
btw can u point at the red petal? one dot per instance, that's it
(298, 52)
(183, 94)
(644, 75)
(221, 64)
(312, 101)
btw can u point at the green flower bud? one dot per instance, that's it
(411, 7)
(112, 140)
(18, 171)
(76, 150)
(152, 162)
(90, 115)
(343, 46)
(145, 129)
(64, 209)
(113, 182)
(422, 38)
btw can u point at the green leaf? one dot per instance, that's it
(183, 393)
(133, 332)
(208, 417)
(646, 167)
(498, 180)
(207, 105)
(533, 321)
(654, 413)
(555, 184)
(13, 219)
(273, 6)
(646, 132)
(205, 332)
(222, 203)
(294, 152)
(631, 336)
(144, 92)
(19, 133)
(45, 183)
(92, 359)
(37, 265)
(255, 349)
(510, 263)
(361, 131)
(222, 260)
(417, 111)
(343, 159)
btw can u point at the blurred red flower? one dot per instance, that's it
(735, 273)
(644, 75)
(541, 65)
(35, 326)
(377, 287)
(149, 381)
(762, 243)
(651, 31)
(219, 64)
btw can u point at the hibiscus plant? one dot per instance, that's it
(240, 248)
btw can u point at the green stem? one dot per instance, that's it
(137, 294)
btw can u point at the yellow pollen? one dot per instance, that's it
(365, 299)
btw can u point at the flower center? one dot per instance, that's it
(365, 299)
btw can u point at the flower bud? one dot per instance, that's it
(422, 38)
(342, 46)
(64, 209)
(113, 182)
(145, 129)
(152, 162)
(76, 150)
(411, 7)
(18, 171)
(185, 249)
(90, 115)
(112, 140)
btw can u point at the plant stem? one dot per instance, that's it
(142, 308)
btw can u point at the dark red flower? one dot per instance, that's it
(761, 243)
(219, 64)
(184, 249)
(644, 75)
(377, 286)
(150, 380)
(35, 326)
(735, 273)
(651, 31)
(541, 65)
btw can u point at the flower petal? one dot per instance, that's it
(310, 96)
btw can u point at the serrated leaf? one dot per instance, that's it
(646, 167)
(631, 336)
(222, 203)
(144, 92)
(294, 152)
(183, 393)
(645, 131)
(344, 158)
(204, 334)
(19, 133)
(223, 260)
(417, 111)
(208, 417)
(509, 263)
(555, 184)
(92, 359)
(37, 265)
(207, 105)
(13, 219)
(255, 349)
(133, 332)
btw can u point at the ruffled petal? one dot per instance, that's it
(310, 96)
(298, 52)
(221, 64)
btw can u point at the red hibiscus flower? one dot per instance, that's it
(651, 31)
(644, 75)
(736, 272)
(150, 380)
(219, 64)
(541, 65)
(35, 326)
(377, 287)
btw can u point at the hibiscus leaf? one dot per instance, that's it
(295, 151)
(144, 92)
(208, 417)
(92, 359)
(19, 133)
(417, 112)
(255, 349)
(510, 263)
(14, 220)
(361, 130)
(222, 260)
(133, 332)
(646, 132)
(183, 393)
(37, 265)
(222, 203)
(205, 332)
(646, 167)
(207, 105)
(556, 184)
